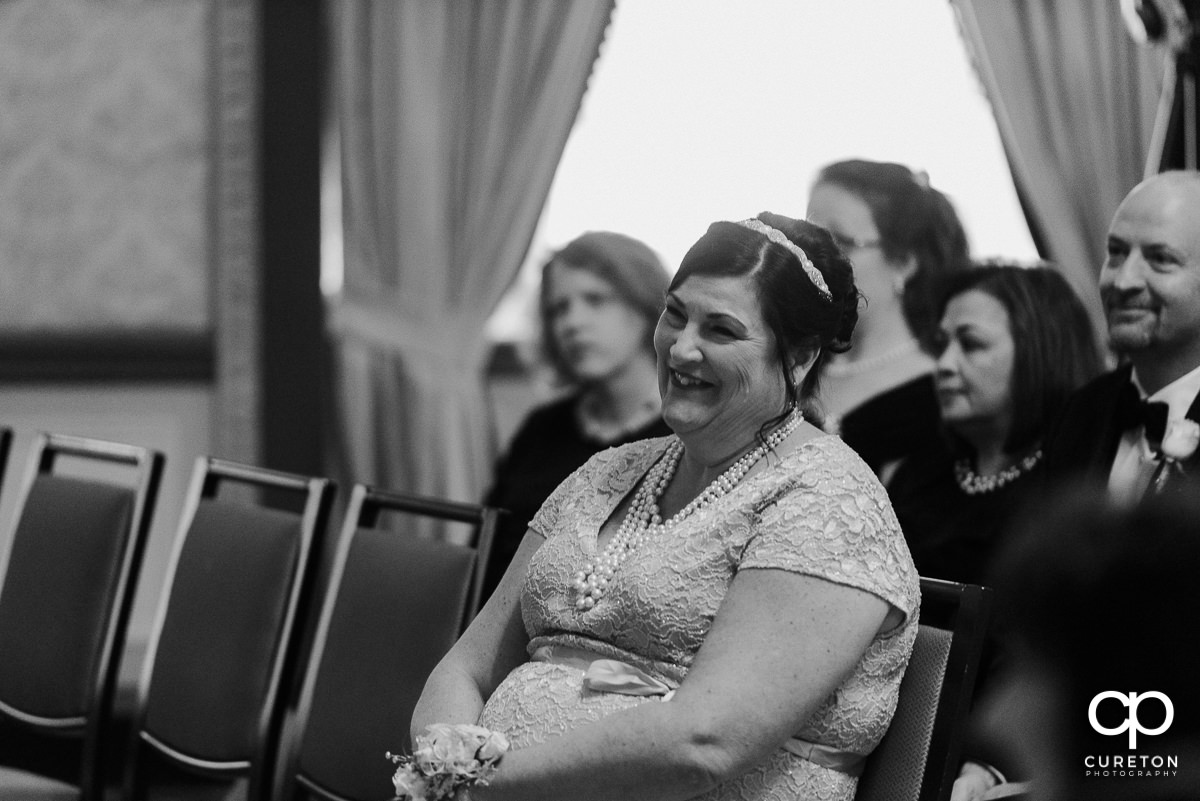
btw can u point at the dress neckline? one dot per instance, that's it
(650, 455)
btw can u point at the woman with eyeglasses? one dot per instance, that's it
(903, 238)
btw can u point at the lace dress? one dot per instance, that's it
(819, 511)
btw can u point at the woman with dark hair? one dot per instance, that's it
(1013, 343)
(904, 239)
(722, 613)
(599, 301)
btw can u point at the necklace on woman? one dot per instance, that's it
(643, 520)
(842, 368)
(974, 484)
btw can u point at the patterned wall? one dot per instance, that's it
(104, 154)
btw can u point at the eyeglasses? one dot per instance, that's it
(848, 243)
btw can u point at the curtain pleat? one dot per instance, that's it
(453, 117)
(1074, 99)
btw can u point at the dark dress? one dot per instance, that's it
(893, 424)
(956, 536)
(953, 535)
(547, 447)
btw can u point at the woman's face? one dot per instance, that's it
(597, 333)
(718, 369)
(975, 366)
(850, 221)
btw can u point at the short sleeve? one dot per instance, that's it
(549, 515)
(836, 523)
(606, 475)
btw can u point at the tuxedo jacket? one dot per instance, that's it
(1081, 446)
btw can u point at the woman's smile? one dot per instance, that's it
(685, 381)
(719, 371)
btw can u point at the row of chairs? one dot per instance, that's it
(266, 677)
(263, 676)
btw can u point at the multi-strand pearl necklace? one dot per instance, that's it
(973, 484)
(643, 520)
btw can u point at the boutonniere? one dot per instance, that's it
(1181, 439)
(1179, 444)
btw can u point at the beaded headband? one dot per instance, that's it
(778, 237)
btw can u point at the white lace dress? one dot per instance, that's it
(819, 511)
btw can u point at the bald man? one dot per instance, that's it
(1134, 430)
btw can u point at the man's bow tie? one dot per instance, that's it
(1136, 412)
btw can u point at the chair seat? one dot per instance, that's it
(19, 785)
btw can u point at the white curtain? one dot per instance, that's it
(1074, 98)
(453, 117)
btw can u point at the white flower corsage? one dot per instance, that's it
(1179, 443)
(445, 759)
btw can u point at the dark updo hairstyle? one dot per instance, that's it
(634, 271)
(800, 318)
(913, 219)
(1054, 344)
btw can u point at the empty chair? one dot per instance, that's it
(80, 527)
(918, 758)
(206, 716)
(395, 604)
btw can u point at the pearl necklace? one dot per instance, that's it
(973, 484)
(643, 519)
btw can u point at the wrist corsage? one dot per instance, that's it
(1178, 445)
(445, 759)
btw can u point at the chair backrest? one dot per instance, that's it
(394, 605)
(918, 758)
(212, 688)
(80, 529)
(6, 436)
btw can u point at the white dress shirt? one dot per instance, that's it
(1134, 464)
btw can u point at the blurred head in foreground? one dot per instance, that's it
(1100, 603)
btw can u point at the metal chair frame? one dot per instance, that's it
(209, 475)
(964, 610)
(363, 511)
(148, 465)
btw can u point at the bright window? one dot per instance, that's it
(702, 110)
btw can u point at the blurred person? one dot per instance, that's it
(1135, 430)
(903, 237)
(722, 613)
(599, 301)
(1099, 597)
(1012, 344)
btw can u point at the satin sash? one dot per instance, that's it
(615, 676)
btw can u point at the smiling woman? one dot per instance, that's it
(723, 359)
(747, 570)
